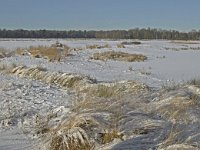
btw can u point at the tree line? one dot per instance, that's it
(145, 33)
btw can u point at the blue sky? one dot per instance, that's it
(183, 15)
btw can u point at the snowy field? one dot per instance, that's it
(162, 66)
(23, 100)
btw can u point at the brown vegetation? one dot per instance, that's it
(110, 136)
(120, 45)
(95, 46)
(52, 53)
(176, 108)
(121, 56)
(71, 135)
(102, 112)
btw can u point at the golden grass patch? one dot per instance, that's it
(52, 53)
(71, 135)
(120, 56)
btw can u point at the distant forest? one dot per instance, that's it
(136, 33)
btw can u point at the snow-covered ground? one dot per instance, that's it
(23, 100)
(161, 67)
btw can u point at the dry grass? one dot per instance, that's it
(110, 136)
(78, 131)
(104, 91)
(120, 45)
(21, 51)
(95, 46)
(121, 56)
(171, 138)
(71, 139)
(52, 53)
(176, 110)
(71, 135)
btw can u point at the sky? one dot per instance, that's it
(182, 15)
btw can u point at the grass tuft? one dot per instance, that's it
(71, 135)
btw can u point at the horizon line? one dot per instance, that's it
(140, 28)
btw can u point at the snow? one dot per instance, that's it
(21, 100)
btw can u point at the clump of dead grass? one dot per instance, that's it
(71, 135)
(121, 56)
(120, 45)
(108, 137)
(52, 53)
(21, 51)
(95, 46)
(104, 91)
(176, 108)
(71, 139)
